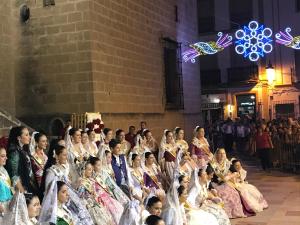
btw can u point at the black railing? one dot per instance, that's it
(210, 77)
(173, 74)
(286, 153)
(247, 74)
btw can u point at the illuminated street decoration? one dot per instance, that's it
(207, 48)
(253, 41)
(285, 38)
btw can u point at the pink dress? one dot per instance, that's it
(232, 201)
(112, 205)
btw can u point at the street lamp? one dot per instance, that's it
(270, 73)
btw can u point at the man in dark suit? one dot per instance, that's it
(119, 166)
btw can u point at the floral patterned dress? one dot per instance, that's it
(230, 196)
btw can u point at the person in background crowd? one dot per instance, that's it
(228, 132)
(130, 136)
(143, 127)
(264, 145)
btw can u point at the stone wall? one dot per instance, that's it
(54, 69)
(103, 56)
(7, 96)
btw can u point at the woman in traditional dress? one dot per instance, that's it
(104, 146)
(150, 143)
(231, 198)
(33, 208)
(200, 148)
(101, 193)
(38, 146)
(93, 149)
(187, 165)
(154, 220)
(168, 151)
(193, 213)
(125, 145)
(18, 164)
(76, 150)
(57, 166)
(140, 191)
(179, 138)
(106, 181)
(5, 185)
(153, 175)
(200, 196)
(54, 207)
(249, 193)
(58, 169)
(85, 141)
(153, 207)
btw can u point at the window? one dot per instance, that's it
(49, 2)
(173, 74)
(206, 16)
(298, 5)
(240, 13)
(285, 110)
(209, 71)
(297, 65)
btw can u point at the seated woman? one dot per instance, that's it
(75, 148)
(187, 165)
(125, 145)
(139, 190)
(154, 220)
(5, 184)
(33, 208)
(153, 175)
(85, 141)
(184, 181)
(93, 149)
(178, 211)
(179, 139)
(200, 196)
(220, 182)
(106, 181)
(101, 194)
(57, 169)
(167, 154)
(104, 146)
(149, 143)
(54, 208)
(252, 198)
(153, 207)
(38, 146)
(200, 147)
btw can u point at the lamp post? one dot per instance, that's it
(270, 73)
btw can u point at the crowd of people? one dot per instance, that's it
(126, 179)
(275, 142)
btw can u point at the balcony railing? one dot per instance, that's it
(247, 74)
(210, 77)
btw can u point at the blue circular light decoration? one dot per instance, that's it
(253, 41)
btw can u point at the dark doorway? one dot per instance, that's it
(246, 105)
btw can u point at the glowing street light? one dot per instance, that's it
(270, 73)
